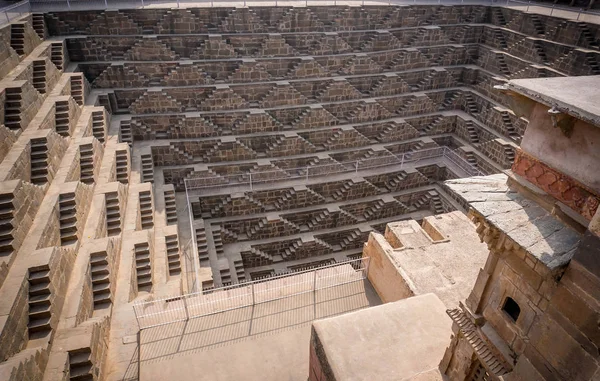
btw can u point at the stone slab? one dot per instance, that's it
(565, 93)
(545, 237)
(394, 341)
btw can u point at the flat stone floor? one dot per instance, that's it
(269, 341)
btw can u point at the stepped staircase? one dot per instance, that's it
(470, 158)
(590, 60)
(423, 82)
(17, 38)
(339, 194)
(502, 66)
(146, 210)
(57, 54)
(170, 207)
(314, 223)
(126, 132)
(113, 214)
(588, 37)
(68, 219)
(449, 101)
(538, 25)
(6, 224)
(100, 274)
(39, 161)
(239, 270)
(38, 24)
(509, 155)
(80, 365)
(86, 163)
(349, 239)
(143, 267)
(431, 126)
(394, 182)
(540, 51)
(216, 211)
(499, 16)
(173, 260)
(422, 201)
(39, 76)
(289, 253)
(77, 88)
(472, 131)
(499, 37)
(373, 211)
(147, 168)
(39, 313)
(61, 118)
(471, 105)
(217, 240)
(202, 247)
(98, 129)
(510, 129)
(436, 203)
(122, 167)
(12, 108)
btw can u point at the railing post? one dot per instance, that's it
(356, 166)
(177, 3)
(106, 3)
(402, 161)
(315, 281)
(7, 18)
(552, 10)
(253, 300)
(250, 176)
(142, 3)
(187, 314)
(307, 168)
(68, 4)
(579, 14)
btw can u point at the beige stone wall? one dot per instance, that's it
(13, 333)
(387, 279)
(577, 155)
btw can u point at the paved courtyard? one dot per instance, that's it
(268, 341)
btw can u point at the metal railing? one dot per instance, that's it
(252, 179)
(199, 304)
(7, 14)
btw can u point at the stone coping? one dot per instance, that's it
(530, 226)
(576, 96)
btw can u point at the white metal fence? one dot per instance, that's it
(7, 14)
(209, 302)
(436, 155)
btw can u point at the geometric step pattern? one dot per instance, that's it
(143, 267)
(173, 254)
(40, 300)
(100, 274)
(113, 214)
(146, 210)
